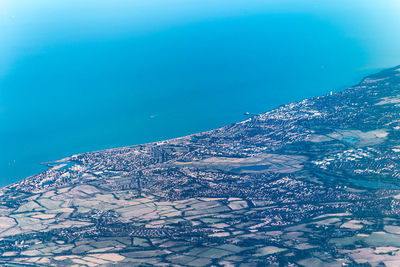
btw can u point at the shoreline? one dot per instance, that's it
(48, 164)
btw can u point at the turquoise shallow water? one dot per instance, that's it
(77, 77)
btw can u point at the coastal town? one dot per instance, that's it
(311, 183)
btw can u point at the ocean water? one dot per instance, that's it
(78, 76)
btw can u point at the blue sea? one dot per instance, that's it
(78, 76)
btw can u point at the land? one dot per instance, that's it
(312, 183)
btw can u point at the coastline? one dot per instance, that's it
(56, 163)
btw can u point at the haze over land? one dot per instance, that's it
(77, 77)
